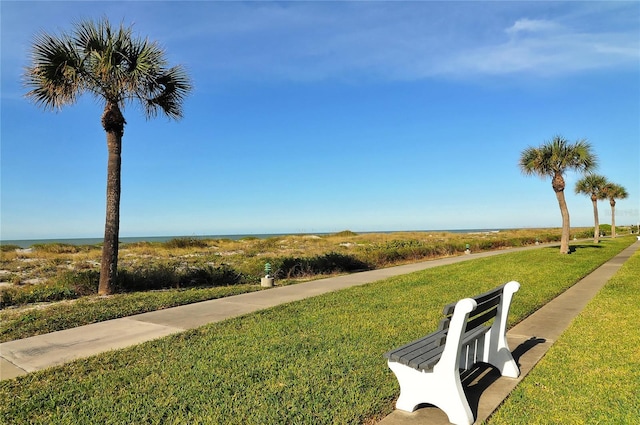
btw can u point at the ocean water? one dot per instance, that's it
(26, 243)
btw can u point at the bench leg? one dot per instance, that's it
(441, 388)
(504, 362)
(499, 355)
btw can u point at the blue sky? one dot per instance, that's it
(324, 116)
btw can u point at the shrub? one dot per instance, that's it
(8, 248)
(63, 248)
(83, 282)
(143, 278)
(56, 248)
(582, 234)
(395, 251)
(290, 267)
(168, 275)
(345, 233)
(210, 276)
(185, 242)
(27, 294)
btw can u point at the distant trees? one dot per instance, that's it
(612, 192)
(593, 185)
(553, 159)
(116, 68)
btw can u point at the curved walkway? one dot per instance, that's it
(529, 340)
(27, 355)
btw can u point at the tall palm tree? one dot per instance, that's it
(593, 185)
(552, 159)
(612, 192)
(117, 69)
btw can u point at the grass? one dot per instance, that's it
(590, 375)
(68, 272)
(18, 324)
(316, 361)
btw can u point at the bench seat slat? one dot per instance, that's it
(423, 354)
(425, 361)
(430, 341)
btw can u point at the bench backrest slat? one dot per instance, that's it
(481, 319)
(485, 311)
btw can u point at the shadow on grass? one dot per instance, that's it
(574, 248)
(476, 381)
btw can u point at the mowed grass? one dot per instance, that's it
(591, 375)
(18, 324)
(316, 361)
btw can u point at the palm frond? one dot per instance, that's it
(55, 78)
(111, 64)
(592, 185)
(167, 93)
(615, 191)
(557, 156)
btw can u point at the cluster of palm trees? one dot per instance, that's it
(598, 188)
(554, 158)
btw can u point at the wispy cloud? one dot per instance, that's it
(408, 41)
(549, 48)
(532, 25)
(553, 53)
(309, 41)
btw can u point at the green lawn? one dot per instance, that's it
(315, 361)
(591, 375)
(69, 314)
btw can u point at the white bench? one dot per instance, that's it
(428, 369)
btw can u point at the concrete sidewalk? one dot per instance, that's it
(529, 340)
(39, 352)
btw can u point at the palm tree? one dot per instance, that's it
(117, 69)
(612, 192)
(552, 159)
(593, 185)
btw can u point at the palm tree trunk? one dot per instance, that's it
(558, 186)
(613, 218)
(566, 226)
(113, 123)
(596, 221)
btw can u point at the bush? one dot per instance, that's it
(83, 282)
(63, 248)
(166, 276)
(56, 248)
(392, 252)
(27, 294)
(185, 243)
(345, 233)
(290, 267)
(8, 248)
(210, 276)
